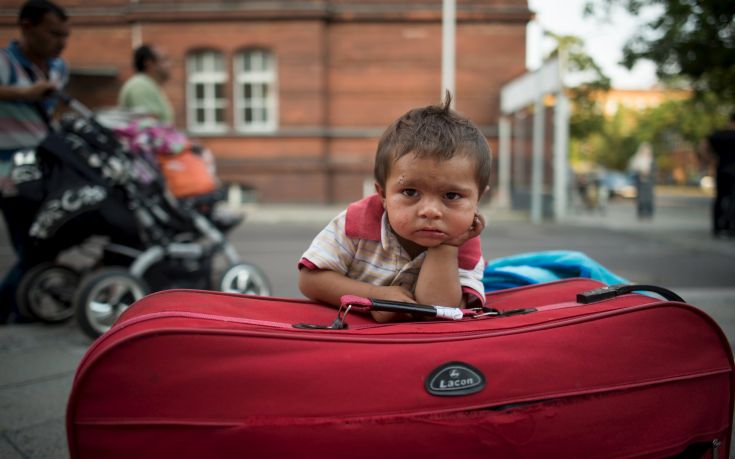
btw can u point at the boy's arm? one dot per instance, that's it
(329, 286)
(438, 281)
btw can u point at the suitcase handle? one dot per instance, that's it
(611, 291)
(362, 304)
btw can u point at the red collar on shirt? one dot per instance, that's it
(364, 218)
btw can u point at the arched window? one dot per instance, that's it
(255, 91)
(205, 92)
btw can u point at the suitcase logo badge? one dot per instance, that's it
(453, 379)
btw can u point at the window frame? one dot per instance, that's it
(266, 76)
(209, 77)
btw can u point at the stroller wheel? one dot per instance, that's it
(245, 278)
(46, 292)
(103, 295)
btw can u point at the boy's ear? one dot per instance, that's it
(381, 192)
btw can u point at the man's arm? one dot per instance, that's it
(38, 91)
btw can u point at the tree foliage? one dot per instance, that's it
(614, 144)
(674, 126)
(691, 120)
(693, 39)
(682, 124)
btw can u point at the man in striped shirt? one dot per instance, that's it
(417, 239)
(31, 73)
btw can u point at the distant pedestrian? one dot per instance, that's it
(722, 144)
(143, 91)
(593, 191)
(643, 167)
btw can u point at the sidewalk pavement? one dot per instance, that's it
(39, 361)
(683, 220)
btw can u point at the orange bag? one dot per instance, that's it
(187, 174)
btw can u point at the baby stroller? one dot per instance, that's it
(87, 183)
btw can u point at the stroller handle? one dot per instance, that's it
(75, 105)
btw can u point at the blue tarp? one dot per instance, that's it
(537, 267)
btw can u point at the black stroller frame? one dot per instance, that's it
(167, 242)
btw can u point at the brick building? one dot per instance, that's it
(292, 95)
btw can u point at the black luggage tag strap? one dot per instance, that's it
(492, 312)
(362, 304)
(338, 323)
(430, 311)
(612, 291)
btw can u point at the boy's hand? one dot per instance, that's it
(478, 224)
(391, 293)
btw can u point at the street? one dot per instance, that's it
(674, 250)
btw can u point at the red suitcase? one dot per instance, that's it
(190, 374)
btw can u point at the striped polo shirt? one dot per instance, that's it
(21, 124)
(360, 244)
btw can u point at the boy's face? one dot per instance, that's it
(428, 201)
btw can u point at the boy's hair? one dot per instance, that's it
(33, 11)
(436, 132)
(143, 54)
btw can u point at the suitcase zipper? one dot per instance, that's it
(716, 448)
(498, 313)
(339, 324)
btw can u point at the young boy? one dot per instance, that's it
(416, 240)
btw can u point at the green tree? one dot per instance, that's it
(693, 39)
(675, 125)
(682, 124)
(691, 120)
(614, 144)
